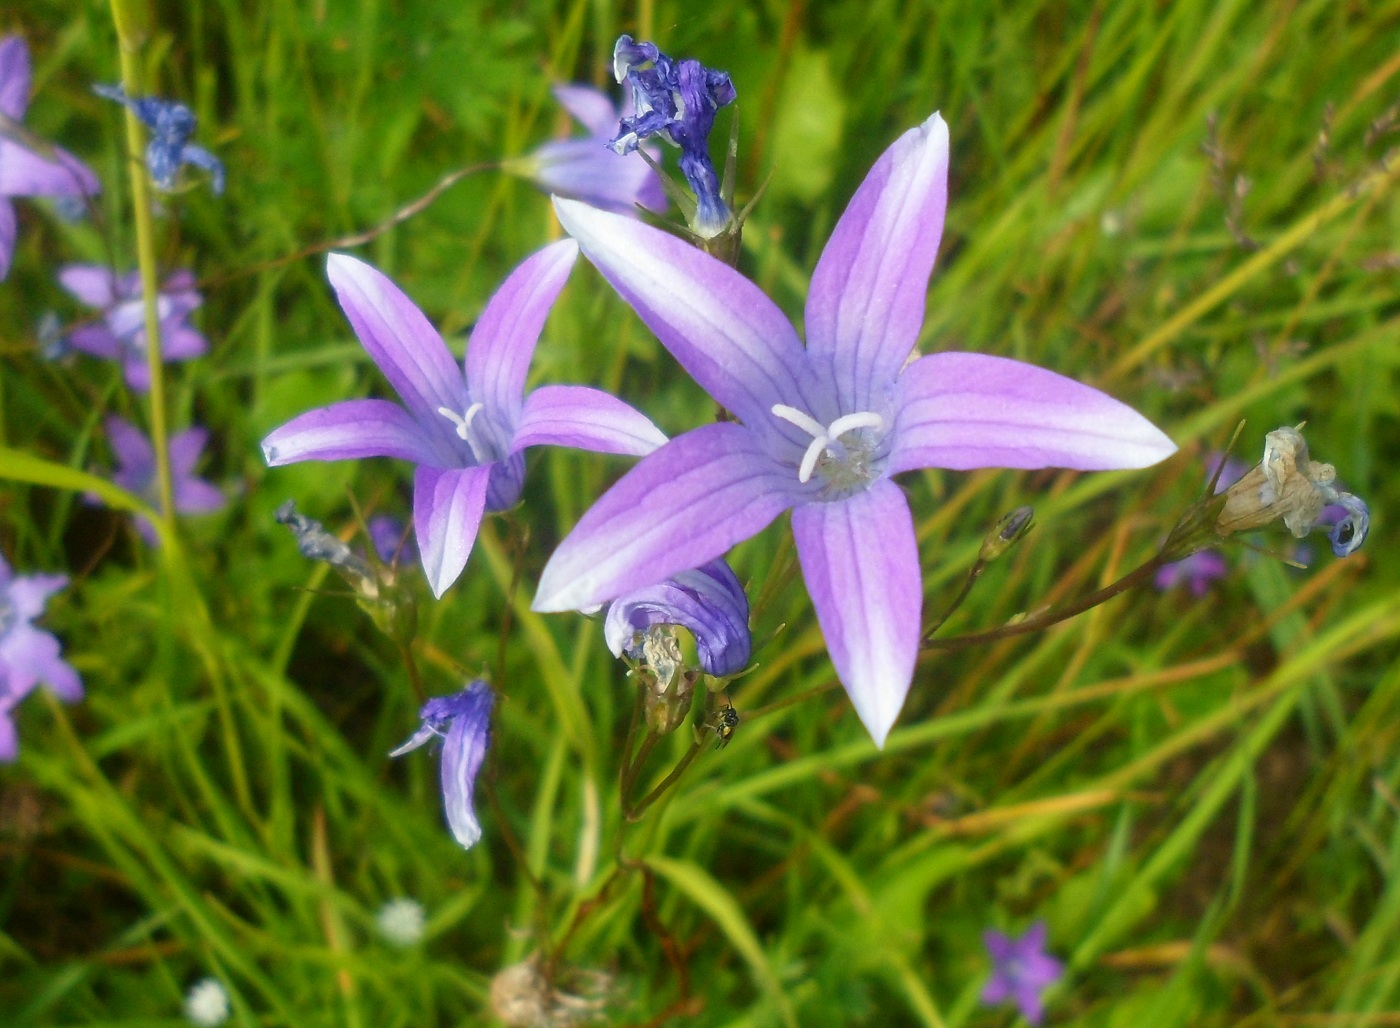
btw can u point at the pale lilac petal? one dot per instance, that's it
(185, 450)
(590, 108)
(997, 990)
(586, 419)
(349, 430)
(503, 341)
(585, 169)
(1028, 1001)
(195, 496)
(998, 945)
(720, 326)
(709, 602)
(25, 655)
(135, 370)
(97, 339)
(400, 340)
(93, 284)
(9, 738)
(865, 307)
(131, 448)
(14, 77)
(861, 564)
(462, 755)
(180, 342)
(29, 593)
(968, 410)
(25, 173)
(8, 230)
(680, 507)
(447, 509)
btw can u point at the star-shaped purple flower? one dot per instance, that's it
(136, 471)
(1021, 971)
(120, 334)
(463, 721)
(28, 167)
(28, 655)
(586, 169)
(820, 429)
(464, 431)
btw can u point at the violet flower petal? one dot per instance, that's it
(678, 508)
(30, 593)
(400, 340)
(25, 173)
(349, 430)
(590, 108)
(968, 410)
(447, 510)
(586, 419)
(9, 229)
(708, 602)
(462, 755)
(865, 307)
(861, 564)
(724, 331)
(503, 341)
(93, 284)
(14, 77)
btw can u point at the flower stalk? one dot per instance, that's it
(131, 36)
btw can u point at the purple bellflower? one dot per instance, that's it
(586, 169)
(465, 432)
(28, 655)
(821, 429)
(136, 471)
(708, 602)
(28, 166)
(1021, 971)
(171, 125)
(463, 722)
(678, 101)
(120, 334)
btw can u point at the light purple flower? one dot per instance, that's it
(586, 169)
(463, 721)
(1021, 971)
(28, 167)
(392, 539)
(136, 471)
(28, 655)
(465, 432)
(821, 429)
(1197, 572)
(120, 334)
(708, 602)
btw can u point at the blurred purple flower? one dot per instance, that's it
(464, 431)
(28, 655)
(136, 471)
(463, 721)
(708, 602)
(1021, 971)
(820, 430)
(1197, 572)
(586, 169)
(28, 166)
(171, 125)
(392, 539)
(676, 100)
(120, 334)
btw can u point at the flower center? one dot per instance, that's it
(844, 465)
(464, 430)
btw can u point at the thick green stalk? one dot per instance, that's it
(131, 36)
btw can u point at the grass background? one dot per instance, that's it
(1198, 796)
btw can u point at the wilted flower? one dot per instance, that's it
(1021, 971)
(171, 125)
(678, 101)
(465, 432)
(28, 165)
(707, 601)
(820, 430)
(136, 471)
(206, 1004)
(587, 169)
(1288, 485)
(524, 995)
(401, 921)
(28, 655)
(463, 722)
(120, 334)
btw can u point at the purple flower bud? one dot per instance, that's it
(28, 655)
(708, 601)
(463, 721)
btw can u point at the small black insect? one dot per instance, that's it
(727, 721)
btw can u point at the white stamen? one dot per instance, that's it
(804, 421)
(848, 422)
(810, 458)
(464, 428)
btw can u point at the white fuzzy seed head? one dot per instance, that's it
(206, 1004)
(402, 921)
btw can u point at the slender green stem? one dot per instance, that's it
(635, 813)
(130, 39)
(973, 574)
